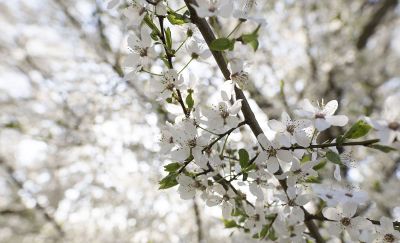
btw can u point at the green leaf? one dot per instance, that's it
(383, 148)
(243, 158)
(176, 19)
(168, 38)
(250, 39)
(221, 44)
(306, 158)
(320, 165)
(151, 24)
(172, 167)
(358, 130)
(313, 179)
(169, 181)
(333, 157)
(249, 168)
(189, 101)
(230, 223)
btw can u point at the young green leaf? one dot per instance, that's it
(333, 157)
(358, 130)
(169, 181)
(243, 158)
(230, 223)
(168, 38)
(176, 19)
(172, 167)
(221, 44)
(189, 101)
(383, 148)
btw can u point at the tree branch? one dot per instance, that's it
(377, 17)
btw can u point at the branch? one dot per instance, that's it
(209, 36)
(370, 27)
(327, 145)
(249, 116)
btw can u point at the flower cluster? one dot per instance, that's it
(263, 186)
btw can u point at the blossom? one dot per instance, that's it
(224, 117)
(238, 75)
(323, 114)
(293, 197)
(208, 8)
(290, 227)
(142, 50)
(332, 196)
(291, 131)
(170, 81)
(299, 172)
(343, 219)
(385, 231)
(223, 197)
(189, 142)
(271, 153)
(188, 186)
(256, 217)
(389, 127)
(135, 13)
(197, 49)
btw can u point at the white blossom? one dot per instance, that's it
(323, 114)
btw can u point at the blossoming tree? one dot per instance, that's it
(279, 180)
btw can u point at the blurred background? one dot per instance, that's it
(78, 143)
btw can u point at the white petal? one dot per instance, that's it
(338, 120)
(272, 165)
(263, 140)
(112, 4)
(336, 174)
(302, 200)
(284, 155)
(330, 108)
(277, 126)
(213, 200)
(321, 124)
(226, 210)
(235, 108)
(331, 213)
(349, 209)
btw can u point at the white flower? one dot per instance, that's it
(224, 197)
(385, 232)
(168, 83)
(142, 50)
(343, 217)
(389, 127)
(261, 178)
(299, 172)
(238, 75)
(208, 8)
(135, 13)
(188, 185)
(161, 8)
(291, 131)
(256, 217)
(167, 139)
(189, 142)
(333, 196)
(271, 153)
(224, 117)
(323, 115)
(196, 49)
(244, 10)
(293, 198)
(290, 228)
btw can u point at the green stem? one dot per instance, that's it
(236, 28)
(187, 64)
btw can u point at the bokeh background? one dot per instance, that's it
(79, 156)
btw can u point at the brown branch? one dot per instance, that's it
(198, 221)
(249, 116)
(327, 145)
(377, 17)
(209, 36)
